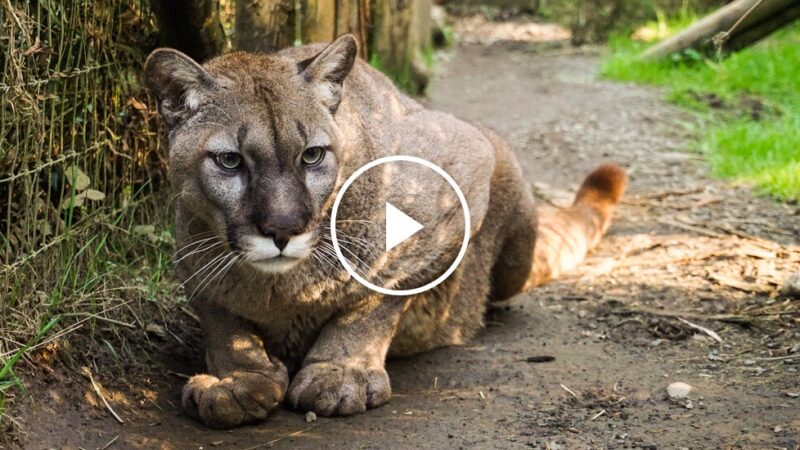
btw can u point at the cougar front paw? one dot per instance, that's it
(331, 389)
(235, 400)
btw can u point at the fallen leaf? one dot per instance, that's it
(76, 178)
(92, 194)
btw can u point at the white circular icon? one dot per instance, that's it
(412, 159)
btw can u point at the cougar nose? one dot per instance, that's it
(281, 231)
(281, 241)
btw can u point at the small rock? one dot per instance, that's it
(791, 287)
(678, 390)
(311, 417)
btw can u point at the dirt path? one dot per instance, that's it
(683, 247)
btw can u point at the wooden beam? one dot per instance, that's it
(742, 13)
(759, 30)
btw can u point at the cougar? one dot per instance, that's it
(259, 146)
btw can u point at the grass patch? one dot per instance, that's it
(88, 299)
(750, 103)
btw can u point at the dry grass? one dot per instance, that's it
(83, 245)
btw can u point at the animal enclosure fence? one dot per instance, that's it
(76, 137)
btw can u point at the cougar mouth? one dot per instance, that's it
(263, 253)
(277, 264)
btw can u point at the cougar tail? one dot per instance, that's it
(564, 236)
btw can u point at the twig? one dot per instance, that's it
(732, 318)
(741, 286)
(190, 314)
(570, 391)
(645, 262)
(179, 375)
(110, 442)
(660, 195)
(705, 330)
(779, 358)
(101, 318)
(598, 415)
(285, 436)
(692, 228)
(100, 394)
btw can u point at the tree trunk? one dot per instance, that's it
(191, 26)
(401, 29)
(270, 25)
(390, 33)
(264, 25)
(700, 33)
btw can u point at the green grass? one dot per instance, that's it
(762, 149)
(104, 281)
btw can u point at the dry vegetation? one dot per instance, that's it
(81, 244)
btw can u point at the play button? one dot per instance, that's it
(399, 226)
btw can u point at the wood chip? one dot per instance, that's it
(705, 330)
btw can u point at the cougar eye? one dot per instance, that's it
(228, 160)
(313, 156)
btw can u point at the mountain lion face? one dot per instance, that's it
(253, 146)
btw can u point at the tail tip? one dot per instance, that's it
(606, 184)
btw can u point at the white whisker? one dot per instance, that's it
(212, 274)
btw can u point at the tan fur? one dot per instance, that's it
(313, 321)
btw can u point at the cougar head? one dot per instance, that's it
(253, 145)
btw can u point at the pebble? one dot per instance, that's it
(791, 287)
(311, 417)
(678, 390)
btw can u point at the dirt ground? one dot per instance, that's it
(685, 249)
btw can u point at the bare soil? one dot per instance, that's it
(684, 246)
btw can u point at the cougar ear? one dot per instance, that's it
(326, 71)
(180, 84)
